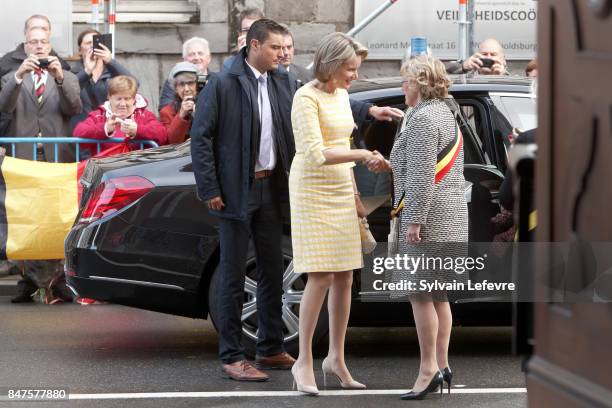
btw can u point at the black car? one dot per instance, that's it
(143, 239)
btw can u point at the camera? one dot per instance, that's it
(487, 63)
(202, 79)
(43, 63)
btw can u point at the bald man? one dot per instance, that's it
(489, 49)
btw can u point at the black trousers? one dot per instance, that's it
(264, 225)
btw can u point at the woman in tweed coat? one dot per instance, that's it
(435, 211)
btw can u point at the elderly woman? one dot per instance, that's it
(325, 204)
(124, 115)
(196, 51)
(93, 71)
(427, 165)
(177, 116)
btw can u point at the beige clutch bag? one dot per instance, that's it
(368, 243)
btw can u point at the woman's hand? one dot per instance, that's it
(361, 211)
(187, 107)
(110, 125)
(93, 65)
(89, 62)
(103, 54)
(413, 234)
(129, 127)
(378, 163)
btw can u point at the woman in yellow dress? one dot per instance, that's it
(325, 204)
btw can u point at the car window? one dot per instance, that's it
(522, 112)
(474, 116)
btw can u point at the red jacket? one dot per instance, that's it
(178, 128)
(149, 128)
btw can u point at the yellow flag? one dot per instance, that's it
(38, 205)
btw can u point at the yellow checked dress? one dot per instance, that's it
(324, 223)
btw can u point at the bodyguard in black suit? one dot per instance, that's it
(242, 146)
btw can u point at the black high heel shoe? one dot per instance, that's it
(447, 376)
(433, 385)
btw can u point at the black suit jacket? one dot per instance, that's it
(302, 74)
(226, 131)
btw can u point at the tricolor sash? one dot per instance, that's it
(445, 161)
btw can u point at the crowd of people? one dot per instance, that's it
(290, 135)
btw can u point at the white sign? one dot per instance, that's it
(512, 23)
(15, 13)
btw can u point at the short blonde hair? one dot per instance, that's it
(333, 51)
(428, 75)
(121, 84)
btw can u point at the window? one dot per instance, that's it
(522, 112)
(474, 116)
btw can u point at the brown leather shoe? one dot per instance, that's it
(280, 361)
(243, 371)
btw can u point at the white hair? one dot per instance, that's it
(195, 40)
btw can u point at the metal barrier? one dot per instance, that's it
(69, 140)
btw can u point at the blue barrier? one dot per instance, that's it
(72, 140)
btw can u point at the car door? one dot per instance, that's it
(483, 173)
(486, 172)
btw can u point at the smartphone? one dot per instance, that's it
(487, 62)
(106, 39)
(43, 63)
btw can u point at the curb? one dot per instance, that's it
(8, 285)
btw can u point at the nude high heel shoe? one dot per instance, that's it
(306, 389)
(348, 385)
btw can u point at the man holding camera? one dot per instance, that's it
(41, 96)
(195, 51)
(12, 60)
(178, 115)
(489, 60)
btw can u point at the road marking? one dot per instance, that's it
(250, 394)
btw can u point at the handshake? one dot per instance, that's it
(376, 162)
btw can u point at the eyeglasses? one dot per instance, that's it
(185, 84)
(35, 42)
(245, 29)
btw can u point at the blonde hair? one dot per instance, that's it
(121, 84)
(428, 76)
(333, 51)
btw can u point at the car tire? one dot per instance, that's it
(293, 287)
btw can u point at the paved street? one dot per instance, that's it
(101, 350)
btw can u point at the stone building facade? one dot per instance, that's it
(149, 33)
